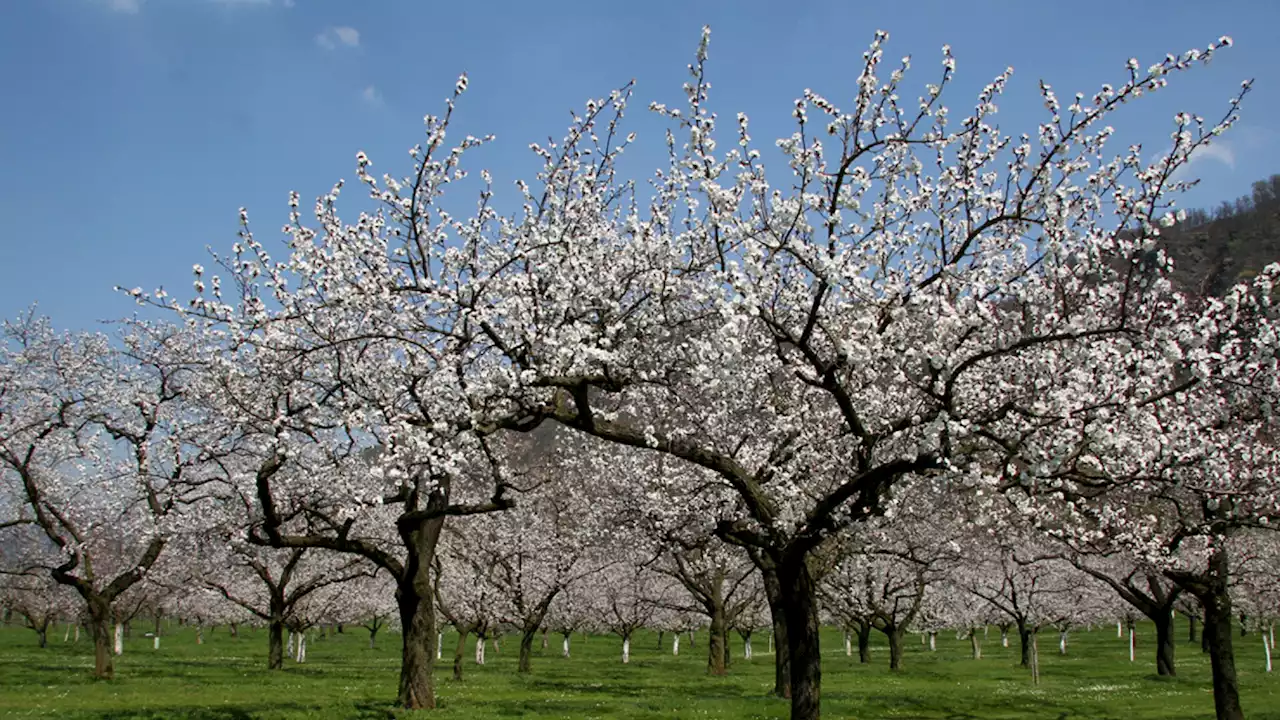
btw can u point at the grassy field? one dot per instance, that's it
(225, 679)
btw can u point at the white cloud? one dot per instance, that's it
(1219, 151)
(132, 7)
(372, 96)
(338, 36)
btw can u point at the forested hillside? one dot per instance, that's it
(1214, 249)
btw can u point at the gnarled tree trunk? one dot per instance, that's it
(275, 644)
(801, 615)
(781, 647)
(1164, 644)
(417, 615)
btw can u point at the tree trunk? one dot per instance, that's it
(715, 641)
(100, 627)
(373, 636)
(801, 614)
(1217, 627)
(480, 648)
(975, 643)
(43, 634)
(417, 658)
(275, 645)
(1164, 644)
(626, 649)
(526, 648)
(458, 652)
(564, 646)
(1024, 639)
(864, 643)
(417, 615)
(781, 646)
(1191, 628)
(895, 647)
(1035, 659)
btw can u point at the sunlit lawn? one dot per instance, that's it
(225, 679)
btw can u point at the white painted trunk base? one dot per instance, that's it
(675, 644)
(119, 639)
(626, 651)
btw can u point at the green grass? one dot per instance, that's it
(225, 679)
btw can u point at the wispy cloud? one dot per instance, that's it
(254, 3)
(340, 36)
(133, 7)
(1219, 151)
(130, 7)
(372, 97)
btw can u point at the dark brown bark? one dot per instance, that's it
(418, 652)
(894, 634)
(1191, 628)
(801, 615)
(526, 648)
(1165, 647)
(864, 642)
(781, 646)
(1217, 626)
(459, 651)
(1211, 589)
(275, 645)
(716, 644)
(100, 628)
(414, 595)
(1024, 640)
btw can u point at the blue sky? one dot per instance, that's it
(132, 130)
